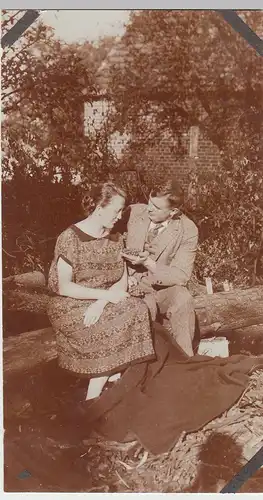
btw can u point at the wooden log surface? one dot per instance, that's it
(231, 310)
(235, 309)
(27, 350)
(33, 280)
(25, 300)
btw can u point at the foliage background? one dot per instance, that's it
(179, 68)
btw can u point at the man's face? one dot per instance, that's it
(159, 209)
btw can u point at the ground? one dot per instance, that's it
(42, 456)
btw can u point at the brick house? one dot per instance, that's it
(158, 160)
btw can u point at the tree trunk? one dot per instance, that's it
(220, 312)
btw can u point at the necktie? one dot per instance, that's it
(152, 233)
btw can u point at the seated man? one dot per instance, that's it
(167, 241)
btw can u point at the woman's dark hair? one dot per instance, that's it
(100, 194)
(172, 190)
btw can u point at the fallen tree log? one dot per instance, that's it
(24, 300)
(221, 311)
(235, 309)
(34, 280)
(27, 350)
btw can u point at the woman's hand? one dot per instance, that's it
(115, 296)
(93, 313)
(95, 310)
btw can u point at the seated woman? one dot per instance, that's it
(100, 330)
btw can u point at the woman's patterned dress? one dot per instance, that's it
(122, 335)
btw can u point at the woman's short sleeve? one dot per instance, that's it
(66, 247)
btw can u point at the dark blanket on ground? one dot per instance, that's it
(157, 401)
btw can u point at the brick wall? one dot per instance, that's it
(159, 161)
(209, 158)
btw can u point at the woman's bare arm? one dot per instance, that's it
(122, 284)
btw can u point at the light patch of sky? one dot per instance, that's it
(86, 25)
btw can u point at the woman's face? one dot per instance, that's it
(112, 212)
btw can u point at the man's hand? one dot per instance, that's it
(93, 313)
(136, 260)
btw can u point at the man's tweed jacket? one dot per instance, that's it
(174, 249)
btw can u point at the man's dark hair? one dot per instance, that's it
(172, 189)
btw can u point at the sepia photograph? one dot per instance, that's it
(132, 251)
